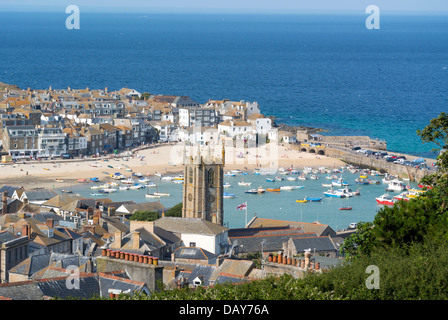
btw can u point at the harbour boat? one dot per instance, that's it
(81, 180)
(229, 174)
(109, 190)
(167, 178)
(158, 174)
(151, 184)
(301, 200)
(370, 181)
(273, 189)
(243, 183)
(128, 181)
(403, 196)
(386, 199)
(95, 187)
(345, 208)
(314, 177)
(124, 188)
(178, 181)
(94, 179)
(251, 191)
(261, 190)
(228, 195)
(302, 177)
(361, 181)
(137, 186)
(339, 183)
(279, 178)
(328, 185)
(335, 194)
(349, 193)
(138, 174)
(151, 195)
(96, 194)
(291, 179)
(236, 171)
(289, 188)
(162, 194)
(226, 185)
(395, 185)
(270, 180)
(143, 180)
(313, 199)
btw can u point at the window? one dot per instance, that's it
(192, 244)
(190, 175)
(211, 176)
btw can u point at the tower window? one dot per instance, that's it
(190, 175)
(211, 177)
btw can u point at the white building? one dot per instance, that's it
(237, 129)
(51, 142)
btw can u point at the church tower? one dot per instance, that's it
(203, 187)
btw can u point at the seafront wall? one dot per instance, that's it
(379, 164)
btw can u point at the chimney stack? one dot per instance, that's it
(117, 240)
(50, 222)
(136, 240)
(26, 231)
(5, 203)
(111, 211)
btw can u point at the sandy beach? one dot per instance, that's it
(165, 159)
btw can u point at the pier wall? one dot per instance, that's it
(378, 164)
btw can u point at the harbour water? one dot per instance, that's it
(273, 205)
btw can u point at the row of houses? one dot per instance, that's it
(50, 123)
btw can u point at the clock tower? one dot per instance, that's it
(203, 187)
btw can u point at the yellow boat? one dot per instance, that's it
(302, 201)
(363, 177)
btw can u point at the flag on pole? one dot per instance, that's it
(242, 206)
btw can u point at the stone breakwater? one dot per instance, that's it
(381, 164)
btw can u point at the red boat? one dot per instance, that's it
(345, 208)
(386, 199)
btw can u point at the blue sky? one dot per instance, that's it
(233, 6)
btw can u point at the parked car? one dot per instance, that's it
(66, 156)
(356, 148)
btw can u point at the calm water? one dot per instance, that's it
(325, 71)
(273, 205)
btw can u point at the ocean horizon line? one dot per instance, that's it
(217, 11)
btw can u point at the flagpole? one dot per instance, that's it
(246, 216)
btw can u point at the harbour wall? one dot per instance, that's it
(379, 164)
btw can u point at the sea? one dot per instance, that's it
(319, 70)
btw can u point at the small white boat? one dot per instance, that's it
(226, 185)
(137, 186)
(386, 199)
(124, 188)
(143, 180)
(128, 181)
(151, 195)
(151, 184)
(161, 194)
(228, 195)
(291, 179)
(287, 188)
(243, 183)
(109, 190)
(327, 185)
(314, 177)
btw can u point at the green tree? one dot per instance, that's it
(175, 211)
(144, 216)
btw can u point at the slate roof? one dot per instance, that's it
(189, 226)
(193, 253)
(273, 239)
(31, 265)
(39, 195)
(202, 271)
(314, 243)
(147, 206)
(90, 285)
(61, 200)
(9, 190)
(318, 228)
